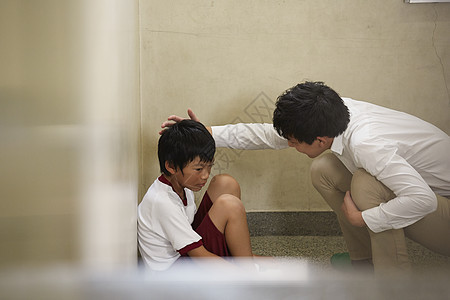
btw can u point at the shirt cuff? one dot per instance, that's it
(374, 220)
(216, 133)
(186, 249)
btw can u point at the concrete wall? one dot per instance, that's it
(229, 60)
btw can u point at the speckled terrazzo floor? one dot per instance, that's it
(315, 237)
(317, 250)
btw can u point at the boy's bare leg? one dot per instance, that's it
(223, 184)
(228, 214)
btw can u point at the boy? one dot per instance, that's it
(169, 225)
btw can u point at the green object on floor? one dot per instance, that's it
(341, 261)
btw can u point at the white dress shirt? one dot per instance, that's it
(410, 156)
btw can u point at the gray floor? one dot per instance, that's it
(317, 250)
(315, 237)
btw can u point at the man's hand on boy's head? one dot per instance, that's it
(351, 211)
(175, 119)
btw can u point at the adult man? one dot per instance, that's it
(387, 176)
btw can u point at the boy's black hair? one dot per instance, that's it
(182, 143)
(310, 110)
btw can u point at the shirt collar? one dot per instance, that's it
(337, 146)
(165, 181)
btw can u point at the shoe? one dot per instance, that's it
(341, 261)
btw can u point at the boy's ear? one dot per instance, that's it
(170, 167)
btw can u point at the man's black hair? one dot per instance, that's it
(310, 110)
(182, 143)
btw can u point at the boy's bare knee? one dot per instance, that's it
(230, 203)
(226, 184)
(224, 179)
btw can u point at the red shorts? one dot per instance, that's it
(213, 240)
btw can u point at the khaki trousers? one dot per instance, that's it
(388, 248)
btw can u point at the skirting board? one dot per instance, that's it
(293, 223)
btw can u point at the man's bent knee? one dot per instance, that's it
(322, 162)
(328, 172)
(367, 191)
(319, 166)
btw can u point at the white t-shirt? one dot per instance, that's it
(410, 156)
(164, 225)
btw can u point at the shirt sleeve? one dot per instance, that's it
(176, 226)
(414, 198)
(251, 136)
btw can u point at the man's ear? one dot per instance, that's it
(323, 141)
(169, 167)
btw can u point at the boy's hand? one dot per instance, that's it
(351, 212)
(175, 119)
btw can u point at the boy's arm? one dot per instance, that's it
(202, 252)
(218, 261)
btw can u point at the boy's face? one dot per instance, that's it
(195, 174)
